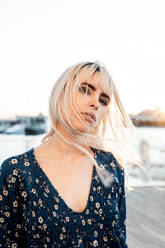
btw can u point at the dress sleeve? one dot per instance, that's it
(11, 228)
(122, 205)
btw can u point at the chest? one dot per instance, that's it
(72, 181)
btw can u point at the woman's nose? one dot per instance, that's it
(94, 102)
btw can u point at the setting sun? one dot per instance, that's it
(160, 109)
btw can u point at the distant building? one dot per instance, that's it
(149, 117)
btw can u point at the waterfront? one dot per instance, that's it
(155, 137)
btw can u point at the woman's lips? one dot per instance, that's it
(88, 117)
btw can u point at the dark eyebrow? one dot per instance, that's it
(94, 89)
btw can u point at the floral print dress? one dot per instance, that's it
(33, 214)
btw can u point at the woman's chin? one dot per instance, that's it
(88, 129)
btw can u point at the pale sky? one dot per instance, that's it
(39, 39)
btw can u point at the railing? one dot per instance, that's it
(15, 144)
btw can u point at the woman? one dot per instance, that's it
(69, 191)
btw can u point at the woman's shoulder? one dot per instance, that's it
(16, 162)
(112, 158)
(113, 163)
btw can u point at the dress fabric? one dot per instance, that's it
(33, 214)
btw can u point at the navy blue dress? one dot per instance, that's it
(33, 214)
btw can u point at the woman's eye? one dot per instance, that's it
(84, 90)
(104, 102)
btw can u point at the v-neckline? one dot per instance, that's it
(55, 191)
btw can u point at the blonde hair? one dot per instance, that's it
(110, 133)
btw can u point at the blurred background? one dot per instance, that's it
(41, 38)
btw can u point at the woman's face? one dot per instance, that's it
(92, 106)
